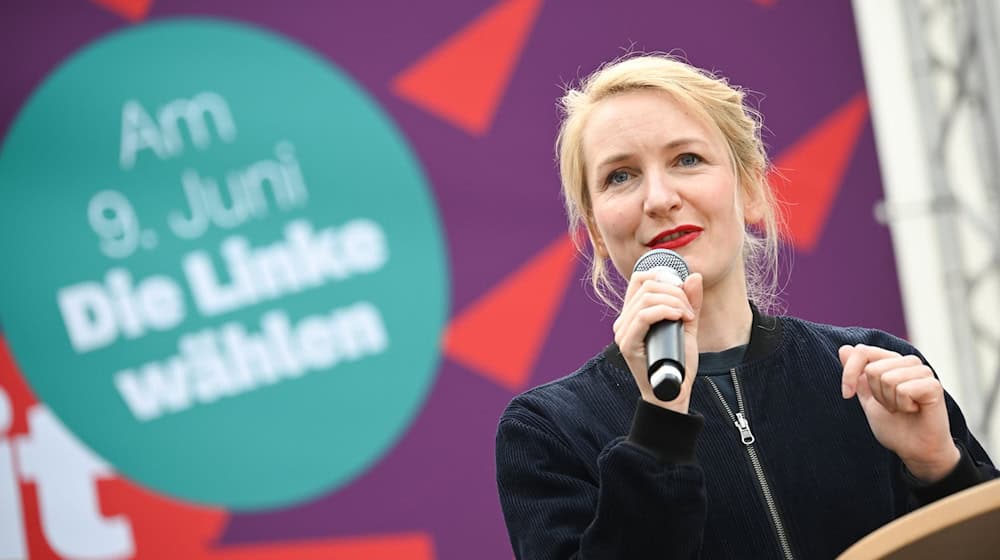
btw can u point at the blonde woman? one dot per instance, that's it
(788, 438)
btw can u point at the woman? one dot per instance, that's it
(794, 439)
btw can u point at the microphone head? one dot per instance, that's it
(662, 258)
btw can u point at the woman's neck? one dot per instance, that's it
(724, 322)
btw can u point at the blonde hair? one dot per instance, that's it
(715, 102)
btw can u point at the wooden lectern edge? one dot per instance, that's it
(945, 512)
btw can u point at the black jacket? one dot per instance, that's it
(583, 472)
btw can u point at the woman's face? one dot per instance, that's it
(658, 177)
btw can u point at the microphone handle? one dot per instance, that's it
(665, 359)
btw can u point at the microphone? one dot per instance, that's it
(665, 339)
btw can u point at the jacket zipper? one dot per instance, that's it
(746, 436)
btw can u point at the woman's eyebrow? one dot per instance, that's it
(672, 145)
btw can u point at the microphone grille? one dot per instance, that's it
(662, 257)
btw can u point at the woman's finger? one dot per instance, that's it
(896, 378)
(885, 376)
(882, 379)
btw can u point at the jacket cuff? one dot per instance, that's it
(669, 435)
(964, 475)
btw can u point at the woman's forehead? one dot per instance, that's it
(640, 120)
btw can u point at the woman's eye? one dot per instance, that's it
(688, 160)
(618, 177)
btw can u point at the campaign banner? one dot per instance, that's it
(272, 272)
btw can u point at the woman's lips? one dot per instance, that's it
(676, 239)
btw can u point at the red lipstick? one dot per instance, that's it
(675, 238)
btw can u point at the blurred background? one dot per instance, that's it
(271, 272)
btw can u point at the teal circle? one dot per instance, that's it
(225, 270)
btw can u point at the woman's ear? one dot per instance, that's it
(753, 206)
(596, 241)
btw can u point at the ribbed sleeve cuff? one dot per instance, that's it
(964, 475)
(669, 435)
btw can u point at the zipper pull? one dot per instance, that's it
(744, 427)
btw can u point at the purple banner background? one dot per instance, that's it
(498, 196)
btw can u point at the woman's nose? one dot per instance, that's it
(661, 196)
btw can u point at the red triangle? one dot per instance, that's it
(811, 171)
(500, 335)
(132, 10)
(464, 78)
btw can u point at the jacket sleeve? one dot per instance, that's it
(646, 501)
